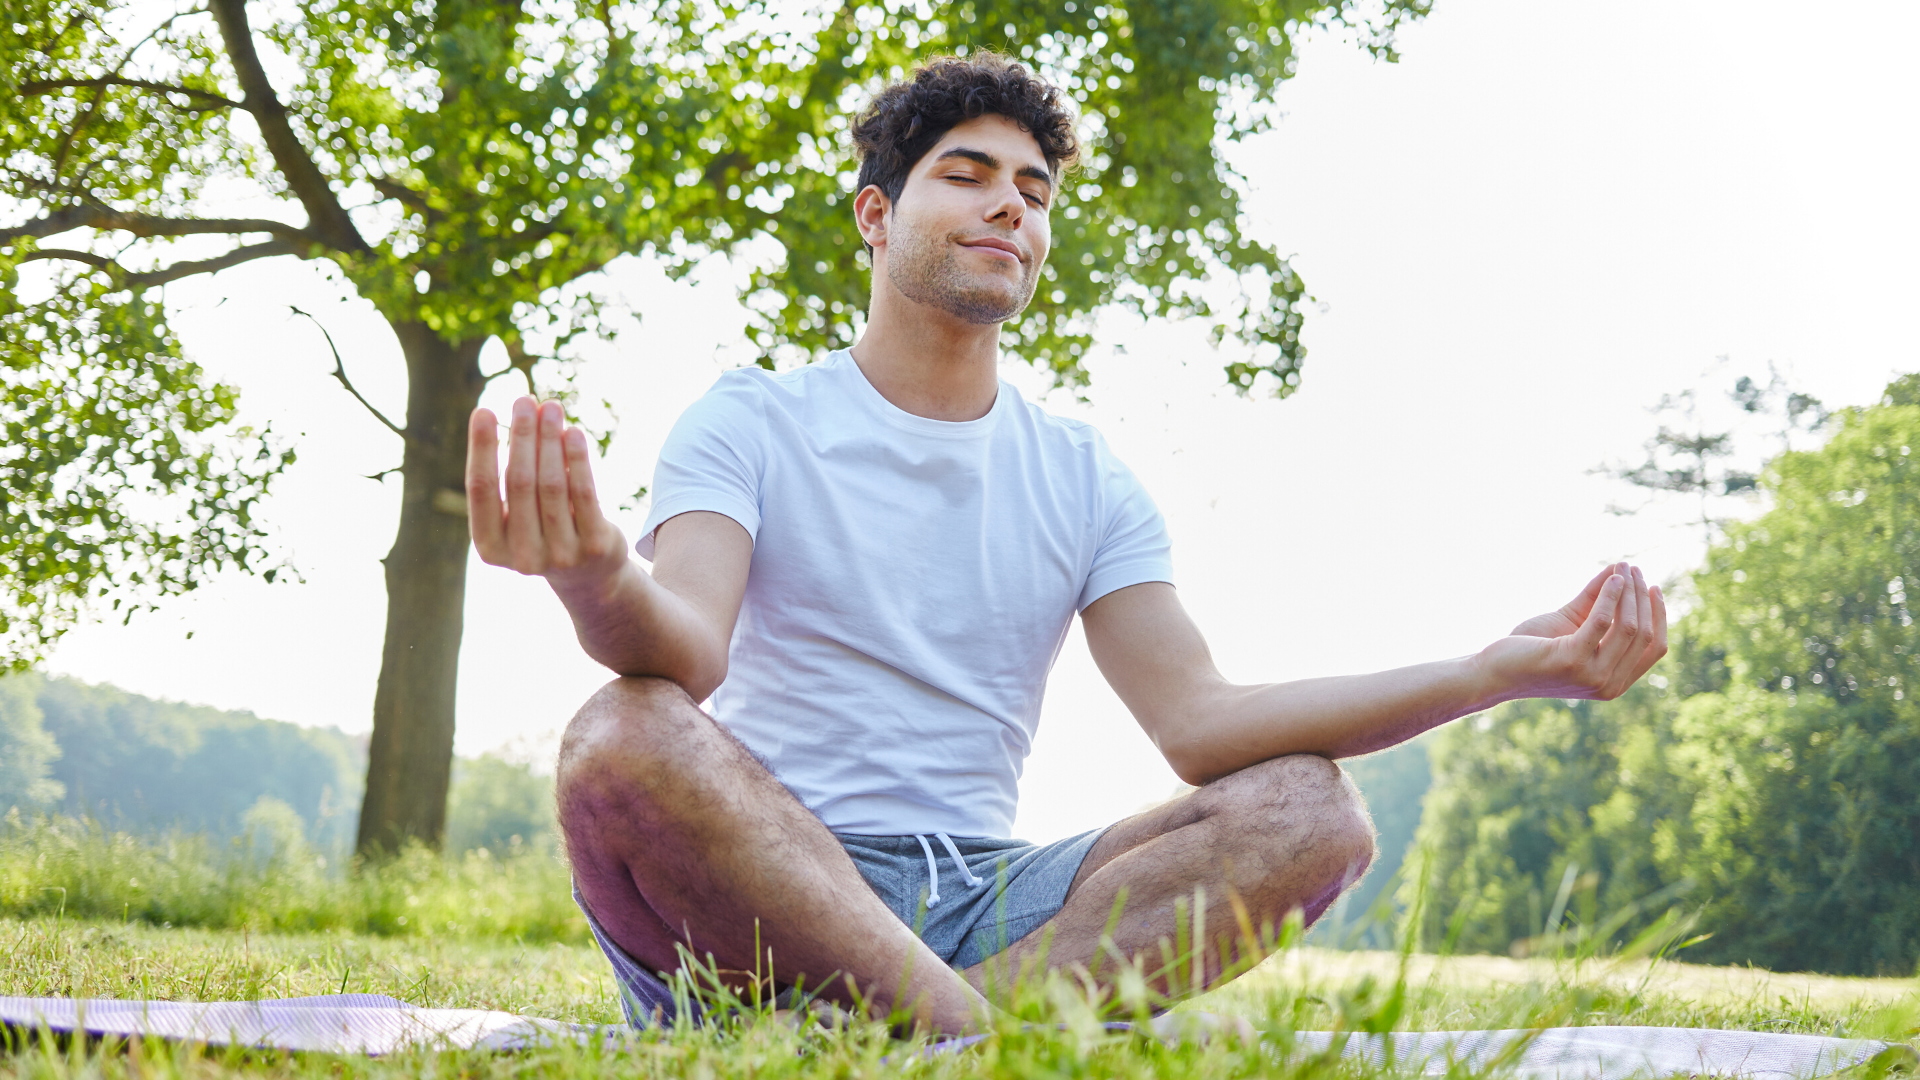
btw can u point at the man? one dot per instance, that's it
(869, 564)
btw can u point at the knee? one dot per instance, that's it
(626, 732)
(1307, 806)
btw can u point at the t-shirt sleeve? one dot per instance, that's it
(1133, 546)
(713, 460)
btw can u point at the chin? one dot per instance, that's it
(990, 310)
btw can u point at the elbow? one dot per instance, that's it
(699, 673)
(1196, 776)
(701, 684)
(1188, 758)
(1187, 728)
(705, 667)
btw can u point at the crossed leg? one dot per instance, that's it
(1289, 833)
(679, 837)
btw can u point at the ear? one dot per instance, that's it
(871, 208)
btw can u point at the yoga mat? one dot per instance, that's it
(374, 1024)
(1615, 1053)
(335, 1023)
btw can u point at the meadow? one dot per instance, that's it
(436, 931)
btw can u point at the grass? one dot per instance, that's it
(62, 867)
(1301, 989)
(501, 933)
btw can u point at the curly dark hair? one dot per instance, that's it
(907, 118)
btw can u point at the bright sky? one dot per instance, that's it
(1543, 218)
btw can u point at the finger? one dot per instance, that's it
(1644, 594)
(524, 547)
(1577, 608)
(556, 510)
(1621, 646)
(1659, 622)
(1600, 618)
(1636, 657)
(485, 515)
(587, 518)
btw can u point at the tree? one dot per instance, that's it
(1805, 815)
(1687, 459)
(1797, 411)
(1770, 769)
(499, 805)
(1540, 816)
(467, 166)
(1808, 804)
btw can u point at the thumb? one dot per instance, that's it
(1599, 620)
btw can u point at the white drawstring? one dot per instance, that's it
(933, 866)
(933, 871)
(958, 861)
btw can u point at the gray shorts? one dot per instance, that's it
(985, 895)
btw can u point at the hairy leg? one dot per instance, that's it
(679, 837)
(1284, 834)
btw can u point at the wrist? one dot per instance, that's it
(1485, 684)
(591, 584)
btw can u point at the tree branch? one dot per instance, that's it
(326, 217)
(143, 280)
(217, 263)
(340, 373)
(102, 217)
(215, 101)
(100, 262)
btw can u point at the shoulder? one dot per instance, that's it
(752, 406)
(1059, 434)
(764, 390)
(737, 397)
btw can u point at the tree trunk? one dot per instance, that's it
(410, 759)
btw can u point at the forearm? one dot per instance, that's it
(1223, 728)
(636, 626)
(1150, 651)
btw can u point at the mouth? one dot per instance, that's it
(994, 247)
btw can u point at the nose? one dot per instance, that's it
(1008, 208)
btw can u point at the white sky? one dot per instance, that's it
(1545, 217)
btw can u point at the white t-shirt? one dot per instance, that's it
(911, 585)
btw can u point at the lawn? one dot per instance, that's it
(1300, 989)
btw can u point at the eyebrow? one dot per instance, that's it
(1031, 172)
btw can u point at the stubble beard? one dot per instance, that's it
(928, 271)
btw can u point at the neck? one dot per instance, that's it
(926, 362)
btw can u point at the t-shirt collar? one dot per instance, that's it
(876, 403)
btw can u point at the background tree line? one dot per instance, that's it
(1767, 777)
(137, 764)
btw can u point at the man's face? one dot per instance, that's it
(970, 233)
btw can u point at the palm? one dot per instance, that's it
(1595, 646)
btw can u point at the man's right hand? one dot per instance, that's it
(550, 523)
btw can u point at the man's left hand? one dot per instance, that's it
(1596, 646)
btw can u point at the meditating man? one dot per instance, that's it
(867, 566)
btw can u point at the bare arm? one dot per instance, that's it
(675, 623)
(1206, 727)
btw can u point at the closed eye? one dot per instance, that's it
(964, 178)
